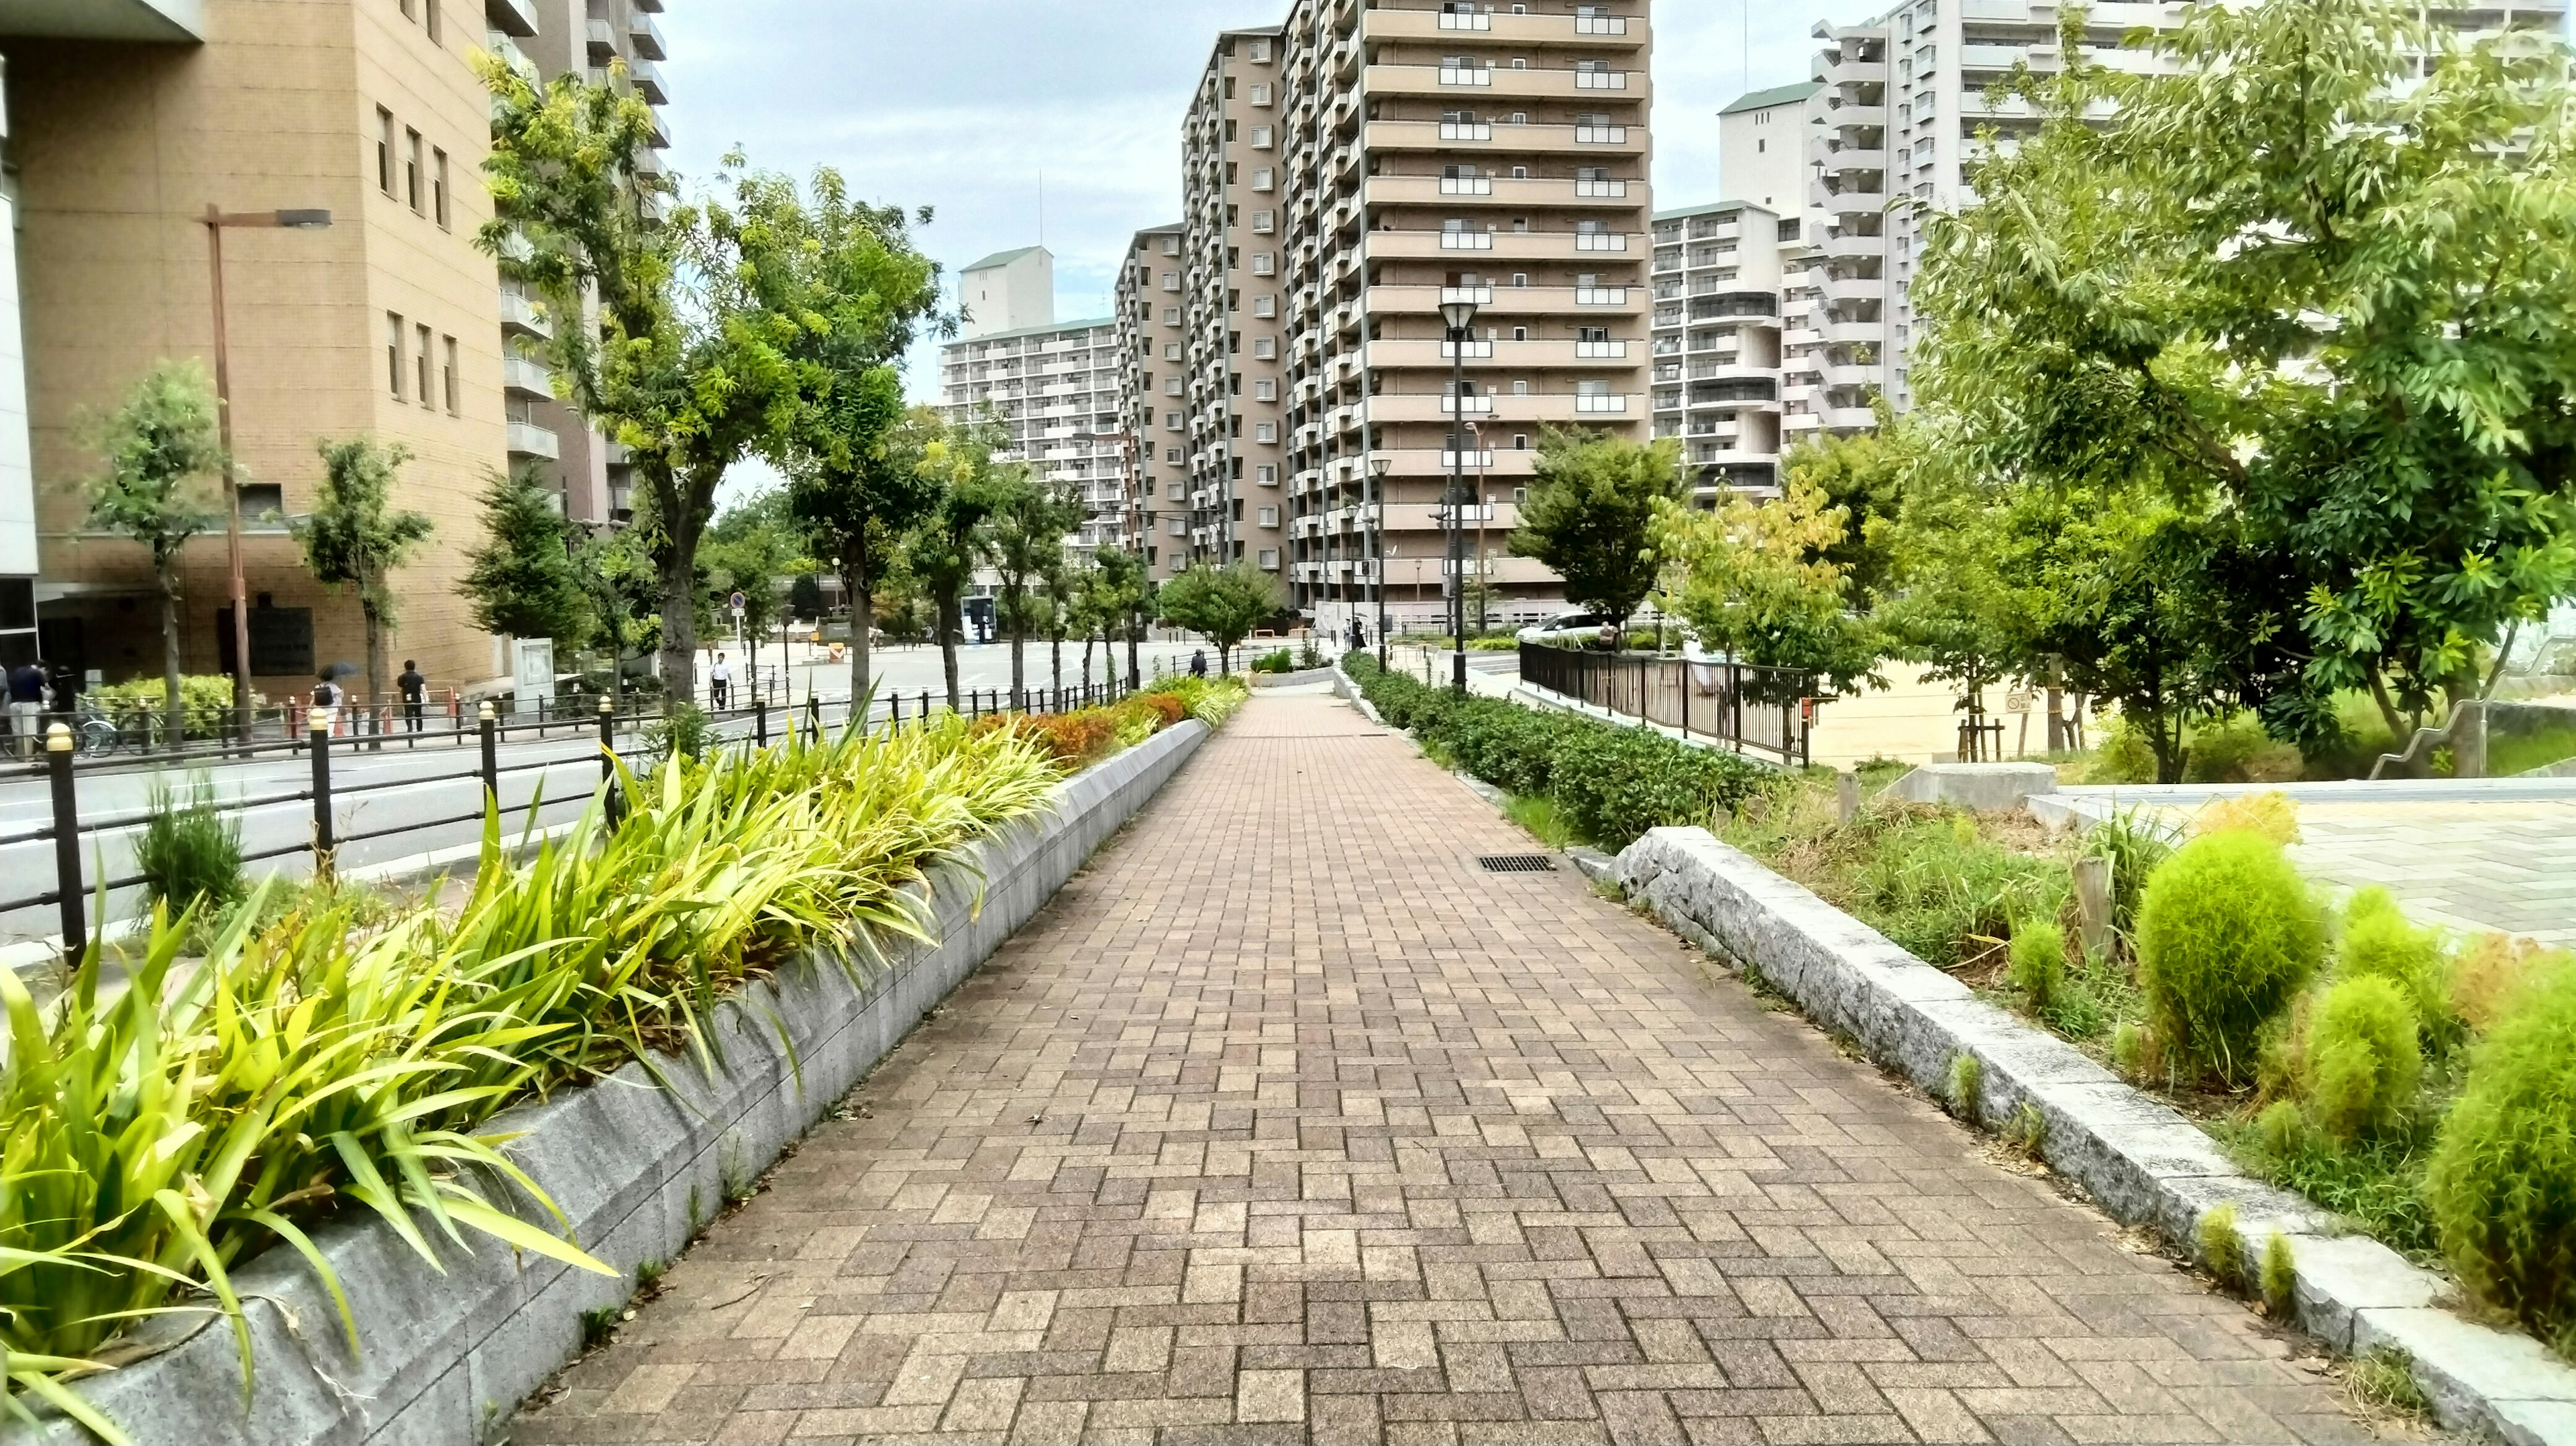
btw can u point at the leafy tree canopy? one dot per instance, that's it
(520, 579)
(1224, 604)
(1591, 512)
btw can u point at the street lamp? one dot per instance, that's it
(216, 222)
(1379, 465)
(1459, 314)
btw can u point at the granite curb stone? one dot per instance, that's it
(448, 1355)
(2142, 1162)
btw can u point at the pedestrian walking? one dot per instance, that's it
(415, 695)
(1198, 663)
(720, 684)
(327, 696)
(26, 706)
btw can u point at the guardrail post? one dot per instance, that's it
(760, 722)
(489, 723)
(814, 713)
(67, 864)
(608, 762)
(318, 725)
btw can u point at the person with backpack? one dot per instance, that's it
(26, 706)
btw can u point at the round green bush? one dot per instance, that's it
(2502, 1184)
(2227, 934)
(2362, 1059)
(2038, 962)
(2379, 941)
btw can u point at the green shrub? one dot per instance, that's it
(684, 730)
(1275, 661)
(189, 854)
(2238, 751)
(2280, 1280)
(2039, 962)
(2362, 1058)
(2134, 848)
(2227, 935)
(2221, 1246)
(2502, 1181)
(1967, 1073)
(2379, 941)
(1943, 891)
(204, 700)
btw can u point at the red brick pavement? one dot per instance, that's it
(1285, 1123)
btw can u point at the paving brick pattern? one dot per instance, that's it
(1285, 1123)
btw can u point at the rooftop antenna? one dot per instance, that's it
(1041, 208)
(1748, 46)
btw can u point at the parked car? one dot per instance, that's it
(1566, 630)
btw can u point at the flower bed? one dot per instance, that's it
(160, 1135)
(1605, 783)
(2422, 1088)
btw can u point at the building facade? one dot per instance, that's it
(127, 120)
(1153, 384)
(1055, 390)
(1345, 174)
(1718, 283)
(606, 42)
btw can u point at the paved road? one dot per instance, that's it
(1285, 1123)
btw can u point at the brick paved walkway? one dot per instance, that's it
(1284, 1123)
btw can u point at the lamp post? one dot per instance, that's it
(1379, 465)
(216, 221)
(1459, 314)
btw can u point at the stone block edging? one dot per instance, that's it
(1350, 691)
(2141, 1161)
(637, 1168)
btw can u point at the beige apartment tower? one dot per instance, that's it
(1346, 174)
(1153, 345)
(126, 124)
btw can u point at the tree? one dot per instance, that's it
(1861, 475)
(1031, 519)
(1223, 604)
(624, 588)
(695, 361)
(521, 580)
(749, 550)
(1753, 582)
(2315, 309)
(856, 481)
(805, 596)
(160, 446)
(948, 544)
(1591, 512)
(1120, 595)
(353, 537)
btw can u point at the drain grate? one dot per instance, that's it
(1516, 864)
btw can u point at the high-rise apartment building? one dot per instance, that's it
(1347, 173)
(128, 120)
(1053, 386)
(1718, 276)
(1007, 291)
(1891, 128)
(1153, 388)
(604, 42)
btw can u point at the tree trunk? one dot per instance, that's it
(1135, 675)
(1055, 661)
(2166, 741)
(950, 626)
(2387, 709)
(375, 666)
(863, 616)
(679, 653)
(1011, 605)
(2058, 740)
(1086, 659)
(173, 692)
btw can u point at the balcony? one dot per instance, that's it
(1550, 353)
(1458, 131)
(1600, 241)
(527, 439)
(524, 377)
(1601, 80)
(1600, 405)
(1437, 136)
(1481, 75)
(648, 82)
(509, 53)
(1466, 241)
(602, 37)
(1505, 411)
(647, 35)
(1501, 245)
(1505, 191)
(511, 17)
(1465, 185)
(1606, 32)
(1601, 295)
(520, 313)
(1600, 190)
(1466, 20)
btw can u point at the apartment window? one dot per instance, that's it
(1270, 559)
(1265, 222)
(1265, 307)
(1173, 456)
(1265, 348)
(447, 376)
(1261, 94)
(1266, 517)
(1177, 526)
(1265, 390)
(1172, 317)
(1171, 386)
(1178, 491)
(411, 171)
(430, 12)
(1261, 52)
(1261, 138)
(1172, 349)
(394, 354)
(1265, 431)
(438, 186)
(428, 398)
(1520, 333)
(384, 150)
(1266, 475)
(1171, 245)
(1264, 263)
(1171, 421)
(1261, 179)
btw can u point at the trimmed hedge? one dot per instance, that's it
(1611, 784)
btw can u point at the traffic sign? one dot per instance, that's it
(738, 601)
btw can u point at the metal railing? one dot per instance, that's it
(623, 736)
(1770, 711)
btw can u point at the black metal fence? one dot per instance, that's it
(1769, 711)
(622, 735)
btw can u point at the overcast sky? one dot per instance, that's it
(976, 108)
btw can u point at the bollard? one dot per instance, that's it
(814, 713)
(1846, 797)
(317, 725)
(490, 725)
(760, 722)
(925, 705)
(608, 762)
(67, 864)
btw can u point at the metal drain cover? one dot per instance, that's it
(1516, 863)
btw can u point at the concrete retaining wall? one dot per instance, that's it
(2144, 1163)
(637, 1169)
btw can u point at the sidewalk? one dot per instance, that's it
(1287, 1122)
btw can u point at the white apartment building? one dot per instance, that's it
(1718, 281)
(1895, 116)
(1055, 387)
(1347, 172)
